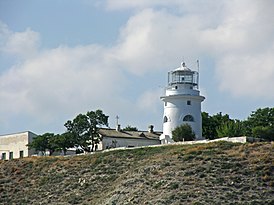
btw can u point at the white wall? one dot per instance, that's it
(112, 142)
(14, 143)
(176, 109)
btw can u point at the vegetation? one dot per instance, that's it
(259, 124)
(231, 128)
(44, 142)
(81, 132)
(266, 133)
(63, 142)
(130, 128)
(213, 173)
(84, 128)
(183, 133)
(212, 123)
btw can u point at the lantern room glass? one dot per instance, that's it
(183, 77)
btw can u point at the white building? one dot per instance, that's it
(113, 138)
(182, 103)
(14, 146)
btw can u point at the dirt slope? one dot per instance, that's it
(215, 173)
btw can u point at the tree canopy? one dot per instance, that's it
(84, 128)
(63, 141)
(130, 128)
(259, 124)
(183, 132)
(231, 128)
(43, 143)
(212, 123)
(81, 132)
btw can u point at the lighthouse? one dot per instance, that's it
(182, 102)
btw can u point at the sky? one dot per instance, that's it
(59, 58)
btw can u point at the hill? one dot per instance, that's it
(214, 173)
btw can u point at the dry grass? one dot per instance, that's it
(214, 173)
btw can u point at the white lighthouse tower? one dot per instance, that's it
(182, 103)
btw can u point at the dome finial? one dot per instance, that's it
(183, 64)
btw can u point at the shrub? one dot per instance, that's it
(183, 133)
(266, 133)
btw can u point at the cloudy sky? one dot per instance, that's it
(61, 58)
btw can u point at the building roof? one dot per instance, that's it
(16, 133)
(107, 132)
(183, 67)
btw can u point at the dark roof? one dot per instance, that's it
(129, 134)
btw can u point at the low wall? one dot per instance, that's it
(242, 139)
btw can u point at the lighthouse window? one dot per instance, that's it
(188, 118)
(188, 102)
(165, 119)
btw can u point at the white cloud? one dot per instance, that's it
(238, 35)
(248, 75)
(60, 80)
(4, 34)
(23, 44)
(242, 46)
(150, 100)
(153, 40)
(233, 34)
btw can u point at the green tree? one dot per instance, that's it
(84, 129)
(130, 128)
(78, 128)
(183, 132)
(260, 123)
(232, 128)
(210, 124)
(266, 133)
(43, 143)
(63, 142)
(262, 117)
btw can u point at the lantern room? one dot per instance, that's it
(184, 76)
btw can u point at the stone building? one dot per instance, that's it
(14, 146)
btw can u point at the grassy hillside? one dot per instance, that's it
(215, 173)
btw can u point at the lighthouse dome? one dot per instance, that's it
(183, 67)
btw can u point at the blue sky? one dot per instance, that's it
(61, 58)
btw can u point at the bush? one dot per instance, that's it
(183, 133)
(266, 133)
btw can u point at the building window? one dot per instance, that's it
(3, 156)
(11, 155)
(188, 102)
(21, 154)
(165, 103)
(165, 119)
(188, 118)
